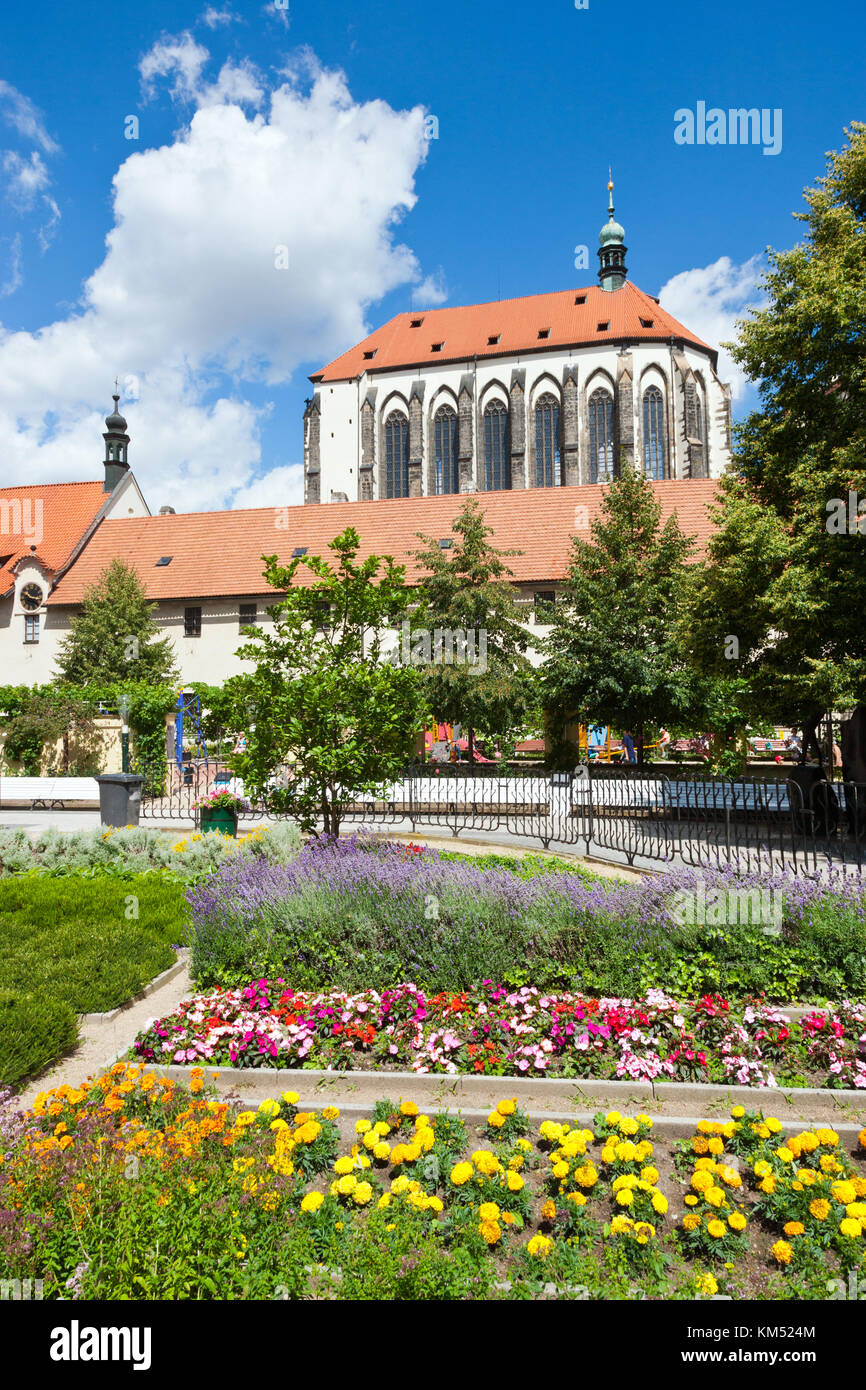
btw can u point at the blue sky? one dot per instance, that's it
(153, 258)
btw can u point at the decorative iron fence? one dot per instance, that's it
(640, 815)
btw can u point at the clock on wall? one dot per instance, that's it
(31, 597)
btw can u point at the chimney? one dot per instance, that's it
(166, 511)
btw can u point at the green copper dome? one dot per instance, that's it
(611, 231)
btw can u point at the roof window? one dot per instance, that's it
(603, 327)
(164, 560)
(544, 332)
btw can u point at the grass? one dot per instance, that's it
(76, 945)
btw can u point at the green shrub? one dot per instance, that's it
(139, 849)
(34, 1031)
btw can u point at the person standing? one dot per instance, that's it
(628, 745)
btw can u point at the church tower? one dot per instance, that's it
(116, 445)
(612, 271)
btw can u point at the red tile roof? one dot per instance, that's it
(464, 331)
(217, 554)
(67, 511)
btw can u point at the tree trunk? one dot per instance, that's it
(471, 742)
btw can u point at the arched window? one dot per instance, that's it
(497, 466)
(653, 433)
(600, 437)
(396, 455)
(547, 456)
(445, 450)
(699, 417)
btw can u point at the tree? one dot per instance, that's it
(781, 597)
(114, 637)
(465, 590)
(322, 698)
(612, 654)
(47, 717)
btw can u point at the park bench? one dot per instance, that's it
(44, 793)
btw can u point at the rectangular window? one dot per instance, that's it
(192, 622)
(31, 628)
(248, 614)
(545, 602)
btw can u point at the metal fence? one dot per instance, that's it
(639, 815)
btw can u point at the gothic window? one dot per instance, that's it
(547, 456)
(396, 455)
(445, 449)
(497, 470)
(600, 437)
(653, 433)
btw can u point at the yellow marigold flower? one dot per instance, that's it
(461, 1173)
(612, 1117)
(691, 1221)
(783, 1252)
(347, 1184)
(773, 1125)
(702, 1182)
(513, 1181)
(523, 1144)
(768, 1185)
(624, 1197)
(707, 1286)
(507, 1107)
(495, 1120)
(362, 1126)
(408, 1107)
(384, 1201)
(381, 1128)
(491, 1231)
(628, 1126)
(422, 1122)
(650, 1175)
(644, 1232)
(344, 1165)
(331, 1112)
(716, 1228)
(488, 1211)
(400, 1185)
(716, 1146)
(762, 1168)
(659, 1203)
(690, 1199)
(793, 1228)
(245, 1119)
(290, 1097)
(312, 1201)
(539, 1247)
(550, 1130)
(269, 1107)
(857, 1209)
(715, 1196)
(435, 1204)
(850, 1227)
(737, 1221)
(382, 1151)
(644, 1120)
(362, 1194)
(308, 1133)
(844, 1192)
(548, 1210)
(738, 1112)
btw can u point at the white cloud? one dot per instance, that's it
(24, 177)
(281, 487)
(215, 19)
(26, 118)
(431, 291)
(188, 299)
(14, 278)
(710, 299)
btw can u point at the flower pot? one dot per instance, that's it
(219, 818)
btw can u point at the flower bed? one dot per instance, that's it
(494, 1030)
(140, 849)
(134, 1187)
(359, 914)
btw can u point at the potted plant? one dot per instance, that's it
(220, 811)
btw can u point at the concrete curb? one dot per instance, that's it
(156, 983)
(544, 1096)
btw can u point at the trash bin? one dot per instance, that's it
(120, 797)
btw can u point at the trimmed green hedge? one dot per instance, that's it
(34, 1032)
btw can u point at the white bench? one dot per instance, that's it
(44, 793)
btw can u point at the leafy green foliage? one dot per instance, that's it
(612, 656)
(322, 698)
(34, 1032)
(114, 637)
(780, 576)
(466, 589)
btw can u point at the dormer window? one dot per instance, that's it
(646, 323)
(544, 332)
(603, 327)
(437, 347)
(416, 323)
(493, 339)
(580, 299)
(368, 356)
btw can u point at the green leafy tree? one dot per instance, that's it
(114, 637)
(466, 590)
(323, 699)
(53, 716)
(611, 653)
(780, 599)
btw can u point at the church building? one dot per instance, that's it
(551, 390)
